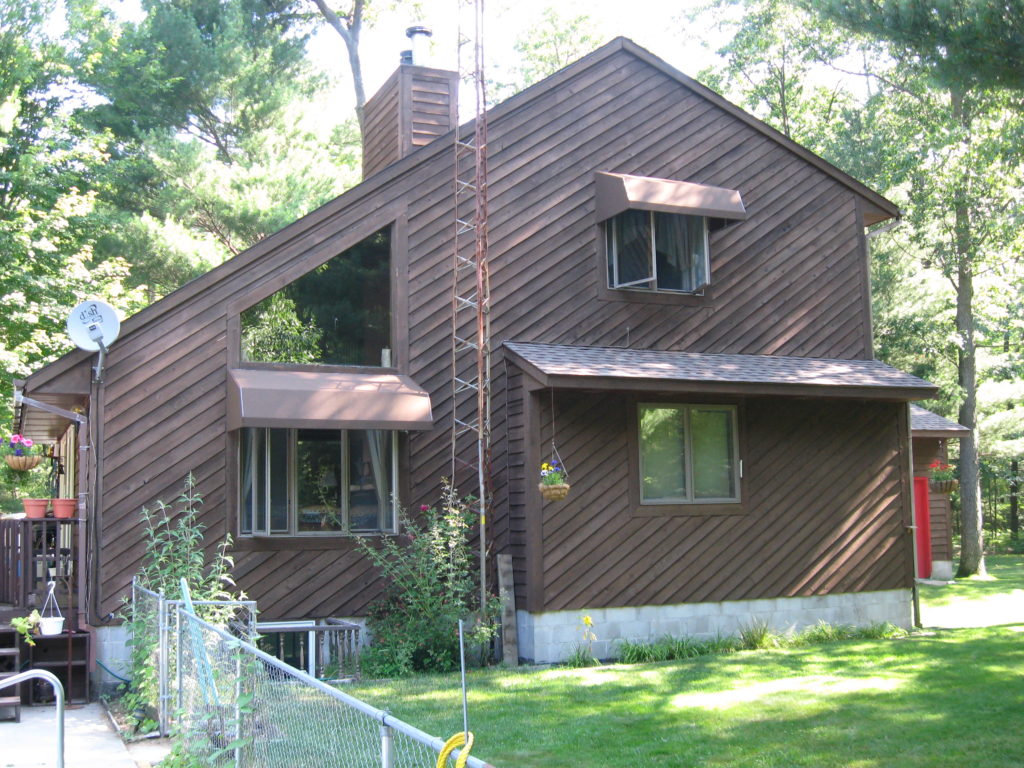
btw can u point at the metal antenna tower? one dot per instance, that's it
(471, 291)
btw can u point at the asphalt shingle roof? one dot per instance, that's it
(616, 362)
(923, 420)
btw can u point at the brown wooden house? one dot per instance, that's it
(680, 300)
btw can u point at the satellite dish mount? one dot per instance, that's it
(92, 326)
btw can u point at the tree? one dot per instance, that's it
(552, 43)
(962, 44)
(348, 23)
(972, 167)
(205, 106)
(49, 218)
(949, 154)
(218, 70)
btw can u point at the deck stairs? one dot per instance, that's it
(10, 665)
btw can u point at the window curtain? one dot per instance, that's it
(377, 440)
(681, 257)
(248, 471)
(633, 244)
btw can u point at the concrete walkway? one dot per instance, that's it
(90, 740)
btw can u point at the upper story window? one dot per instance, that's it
(656, 235)
(337, 314)
(654, 251)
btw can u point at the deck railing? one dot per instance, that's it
(33, 552)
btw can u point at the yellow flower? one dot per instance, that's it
(587, 621)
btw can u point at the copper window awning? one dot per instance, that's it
(325, 400)
(618, 192)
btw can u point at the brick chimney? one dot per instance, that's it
(414, 107)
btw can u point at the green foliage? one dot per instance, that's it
(758, 636)
(553, 42)
(755, 636)
(430, 584)
(174, 551)
(964, 43)
(26, 626)
(273, 333)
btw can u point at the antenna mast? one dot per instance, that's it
(471, 291)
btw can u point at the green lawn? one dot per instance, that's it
(943, 697)
(978, 602)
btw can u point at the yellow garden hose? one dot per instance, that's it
(451, 745)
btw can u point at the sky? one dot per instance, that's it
(658, 25)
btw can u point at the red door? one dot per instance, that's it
(923, 521)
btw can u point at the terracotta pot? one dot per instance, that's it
(35, 509)
(945, 486)
(23, 463)
(65, 509)
(554, 492)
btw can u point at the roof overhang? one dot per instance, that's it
(925, 424)
(641, 370)
(618, 192)
(45, 417)
(325, 400)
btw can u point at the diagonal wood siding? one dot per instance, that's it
(791, 280)
(823, 511)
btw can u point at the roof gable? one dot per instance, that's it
(877, 208)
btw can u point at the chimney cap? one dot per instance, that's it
(418, 30)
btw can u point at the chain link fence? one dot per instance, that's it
(242, 707)
(155, 642)
(231, 705)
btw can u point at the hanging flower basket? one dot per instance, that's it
(35, 509)
(945, 486)
(554, 491)
(23, 463)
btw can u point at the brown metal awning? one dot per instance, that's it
(325, 400)
(617, 192)
(647, 370)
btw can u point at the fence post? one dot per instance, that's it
(387, 747)
(162, 666)
(177, 658)
(238, 706)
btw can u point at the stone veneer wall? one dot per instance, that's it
(546, 638)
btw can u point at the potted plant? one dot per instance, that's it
(553, 485)
(64, 509)
(35, 509)
(21, 453)
(27, 626)
(943, 476)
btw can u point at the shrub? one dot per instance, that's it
(758, 636)
(430, 583)
(174, 550)
(755, 636)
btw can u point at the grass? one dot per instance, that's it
(978, 601)
(939, 698)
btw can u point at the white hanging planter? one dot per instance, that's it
(51, 625)
(51, 622)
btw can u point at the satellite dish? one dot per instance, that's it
(93, 325)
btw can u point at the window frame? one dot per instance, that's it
(255, 534)
(611, 226)
(393, 216)
(698, 507)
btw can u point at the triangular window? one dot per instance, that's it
(337, 314)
